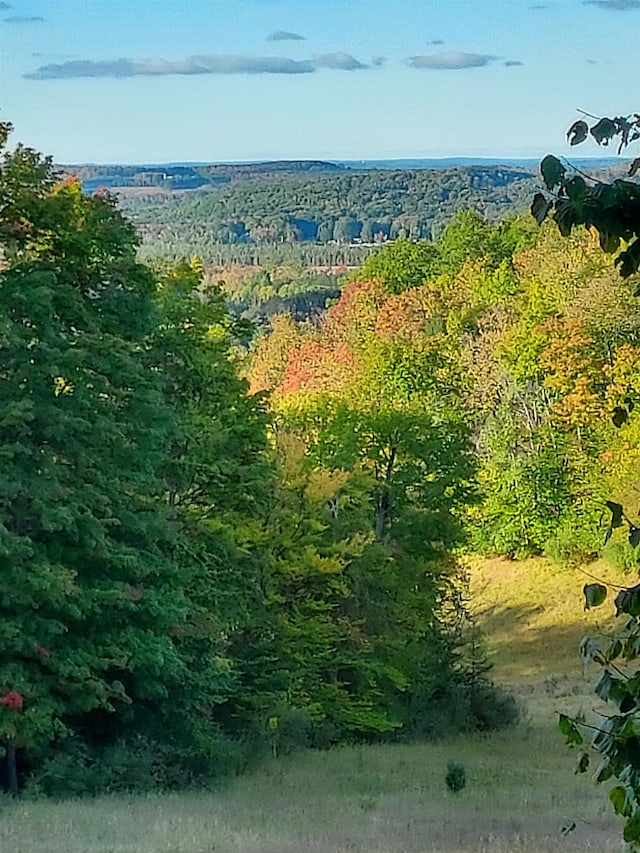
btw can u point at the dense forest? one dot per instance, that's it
(186, 581)
(531, 338)
(219, 539)
(318, 214)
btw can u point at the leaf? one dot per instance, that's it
(606, 683)
(604, 773)
(605, 195)
(569, 729)
(614, 650)
(583, 763)
(552, 171)
(627, 703)
(618, 797)
(565, 216)
(604, 130)
(633, 168)
(628, 601)
(631, 832)
(576, 188)
(620, 416)
(609, 243)
(540, 207)
(594, 595)
(577, 133)
(629, 261)
(617, 512)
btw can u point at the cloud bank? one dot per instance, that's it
(194, 65)
(283, 35)
(451, 60)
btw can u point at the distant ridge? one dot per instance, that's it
(531, 163)
(191, 176)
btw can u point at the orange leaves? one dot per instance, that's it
(315, 366)
(573, 370)
(272, 354)
(355, 311)
(416, 311)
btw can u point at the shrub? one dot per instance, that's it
(456, 777)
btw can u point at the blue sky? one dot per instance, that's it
(148, 81)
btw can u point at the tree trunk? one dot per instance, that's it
(12, 770)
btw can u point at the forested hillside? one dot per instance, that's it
(200, 567)
(529, 339)
(320, 216)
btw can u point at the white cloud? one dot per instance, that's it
(451, 60)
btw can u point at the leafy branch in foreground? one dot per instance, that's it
(613, 209)
(616, 739)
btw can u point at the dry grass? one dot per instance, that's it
(521, 789)
(521, 792)
(532, 613)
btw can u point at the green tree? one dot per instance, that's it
(401, 264)
(392, 426)
(89, 597)
(218, 481)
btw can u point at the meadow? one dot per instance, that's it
(522, 795)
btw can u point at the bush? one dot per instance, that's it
(492, 707)
(456, 777)
(142, 765)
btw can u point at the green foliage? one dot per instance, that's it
(456, 777)
(134, 481)
(613, 209)
(318, 215)
(90, 596)
(401, 264)
(390, 443)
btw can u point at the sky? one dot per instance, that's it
(157, 81)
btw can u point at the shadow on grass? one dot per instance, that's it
(521, 646)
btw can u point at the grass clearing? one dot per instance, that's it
(521, 789)
(521, 792)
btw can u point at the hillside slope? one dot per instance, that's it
(532, 614)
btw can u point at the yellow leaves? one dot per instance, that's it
(324, 484)
(71, 185)
(61, 386)
(272, 353)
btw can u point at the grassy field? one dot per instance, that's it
(521, 795)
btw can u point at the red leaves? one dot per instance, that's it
(12, 700)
